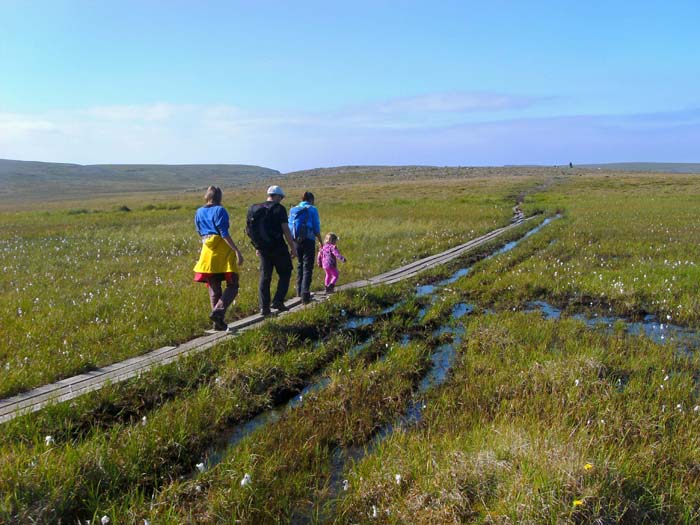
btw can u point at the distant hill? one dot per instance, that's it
(654, 167)
(58, 181)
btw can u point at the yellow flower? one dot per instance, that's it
(578, 502)
(588, 466)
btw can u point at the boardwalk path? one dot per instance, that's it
(75, 386)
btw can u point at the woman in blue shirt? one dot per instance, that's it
(216, 260)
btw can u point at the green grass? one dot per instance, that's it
(538, 421)
(84, 290)
(534, 419)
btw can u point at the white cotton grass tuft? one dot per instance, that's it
(105, 520)
(397, 477)
(49, 440)
(201, 467)
(247, 480)
(346, 484)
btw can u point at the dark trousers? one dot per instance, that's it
(221, 300)
(306, 252)
(282, 264)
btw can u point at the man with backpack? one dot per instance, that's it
(305, 226)
(267, 227)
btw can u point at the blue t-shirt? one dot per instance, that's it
(212, 220)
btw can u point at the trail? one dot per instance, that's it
(72, 387)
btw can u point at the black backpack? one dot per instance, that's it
(259, 226)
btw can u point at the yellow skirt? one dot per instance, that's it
(216, 257)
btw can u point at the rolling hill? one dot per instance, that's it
(58, 181)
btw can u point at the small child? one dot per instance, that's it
(328, 257)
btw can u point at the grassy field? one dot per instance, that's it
(88, 284)
(534, 420)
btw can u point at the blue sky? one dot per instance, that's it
(294, 85)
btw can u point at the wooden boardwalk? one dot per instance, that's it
(75, 386)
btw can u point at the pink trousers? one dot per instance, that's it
(331, 275)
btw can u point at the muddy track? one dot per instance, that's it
(75, 386)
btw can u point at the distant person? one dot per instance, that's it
(216, 259)
(571, 164)
(328, 257)
(305, 226)
(267, 227)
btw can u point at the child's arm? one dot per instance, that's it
(337, 254)
(319, 259)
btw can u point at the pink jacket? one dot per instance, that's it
(328, 255)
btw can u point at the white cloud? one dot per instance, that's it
(454, 102)
(15, 126)
(145, 113)
(434, 129)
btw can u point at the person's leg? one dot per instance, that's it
(306, 268)
(214, 287)
(230, 293)
(217, 311)
(283, 265)
(327, 280)
(265, 279)
(300, 269)
(333, 279)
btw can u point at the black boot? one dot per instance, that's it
(218, 317)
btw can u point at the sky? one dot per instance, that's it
(305, 84)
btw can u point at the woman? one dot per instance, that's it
(216, 262)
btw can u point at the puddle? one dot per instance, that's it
(359, 322)
(390, 309)
(425, 289)
(358, 349)
(462, 272)
(661, 333)
(547, 310)
(461, 309)
(512, 244)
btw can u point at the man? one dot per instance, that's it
(274, 254)
(305, 226)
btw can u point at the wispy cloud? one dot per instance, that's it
(428, 129)
(146, 113)
(455, 101)
(15, 126)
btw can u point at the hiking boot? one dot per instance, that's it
(305, 298)
(331, 288)
(218, 318)
(280, 307)
(265, 312)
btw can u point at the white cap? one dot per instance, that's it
(275, 190)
